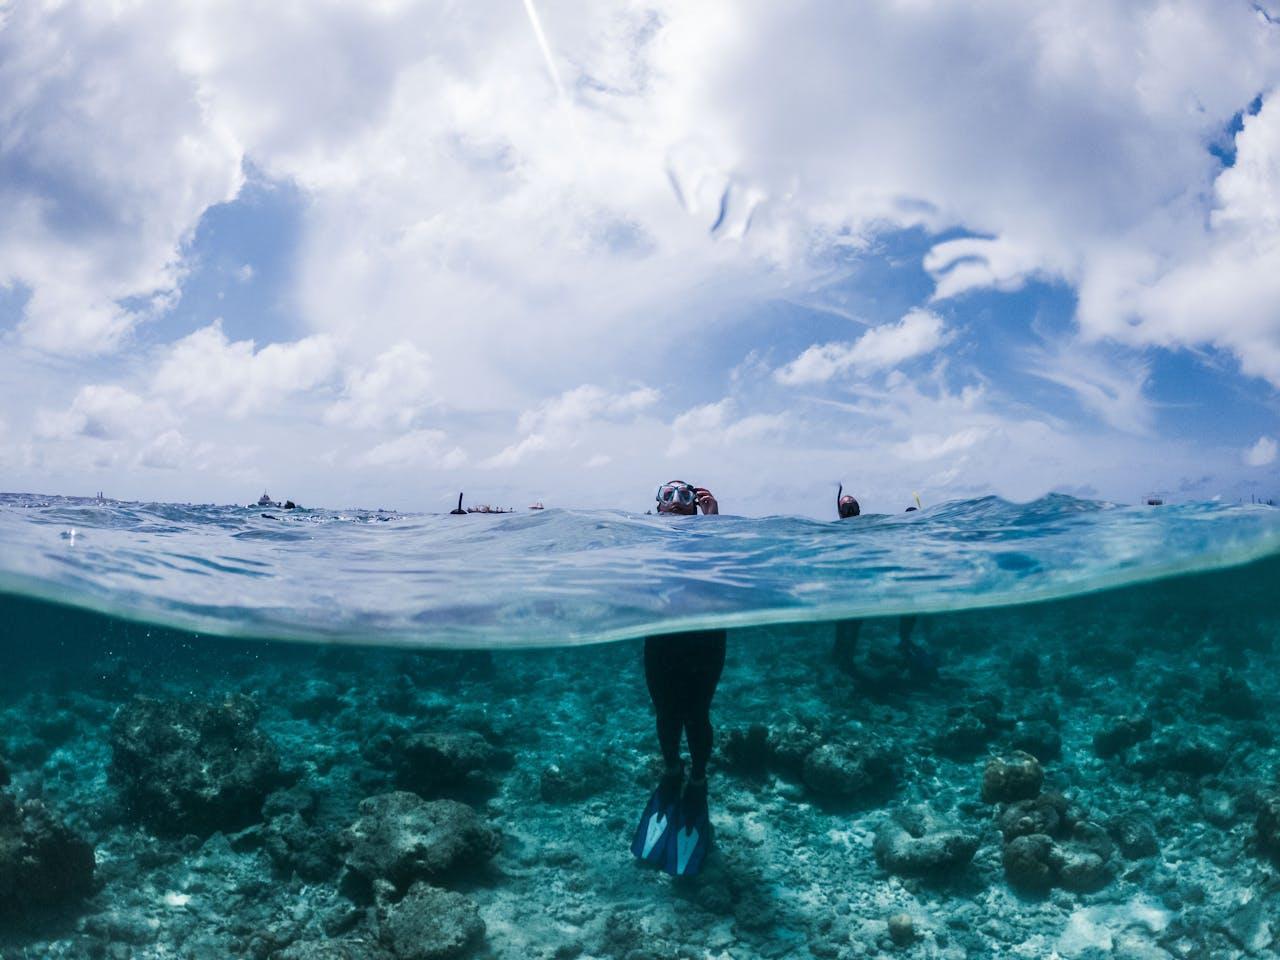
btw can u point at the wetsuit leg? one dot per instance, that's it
(682, 671)
(905, 627)
(660, 676)
(707, 653)
(846, 645)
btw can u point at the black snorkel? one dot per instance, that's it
(846, 507)
(459, 511)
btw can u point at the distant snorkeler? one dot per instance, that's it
(917, 659)
(846, 505)
(681, 671)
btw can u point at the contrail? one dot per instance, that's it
(545, 47)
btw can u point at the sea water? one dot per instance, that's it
(251, 732)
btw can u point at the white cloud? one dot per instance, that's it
(1113, 390)
(205, 369)
(107, 161)
(103, 412)
(392, 392)
(918, 333)
(1223, 288)
(1262, 453)
(931, 446)
(562, 422)
(168, 451)
(417, 448)
(714, 425)
(446, 178)
(122, 429)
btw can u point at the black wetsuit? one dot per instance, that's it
(848, 631)
(682, 671)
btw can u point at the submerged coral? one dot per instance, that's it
(181, 797)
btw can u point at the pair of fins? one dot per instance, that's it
(675, 831)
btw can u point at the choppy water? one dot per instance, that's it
(174, 782)
(566, 577)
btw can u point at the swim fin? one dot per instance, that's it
(658, 822)
(688, 848)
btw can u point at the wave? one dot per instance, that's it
(564, 577)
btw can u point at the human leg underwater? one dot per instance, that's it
(682, 672)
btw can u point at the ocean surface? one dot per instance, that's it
(233, 731)
(560, 577)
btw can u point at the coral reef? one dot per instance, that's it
(1084, 780)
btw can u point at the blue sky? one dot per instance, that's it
(376, 254)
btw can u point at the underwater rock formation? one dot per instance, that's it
(193, 766)
(447, 763)
(42, 863)
(1189, 754)
(846, 771)
(1026, 862)
(1267, 824)
(1232, 696)
(1079, 865)
(429, 924)
(748, 751)
(1015, 777)
(902, 929)
(1049, 843)
(1120, 733)
(1134, 835)
(330, 950)
(576, 777)
(1043, 814)
(789, 747)
(401, 838)
(970, 727)
(295, 844)
(1037, 738)
(916, 842)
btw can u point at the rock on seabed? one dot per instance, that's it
(193, 766)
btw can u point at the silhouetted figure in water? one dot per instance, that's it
(681, 671)
(917, 659)
(458, 511)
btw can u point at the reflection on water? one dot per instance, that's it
(555, 577)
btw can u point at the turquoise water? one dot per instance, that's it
(564, 577)
(1089, 769)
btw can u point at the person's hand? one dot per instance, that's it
(706, 500)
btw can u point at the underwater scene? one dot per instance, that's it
(981, 729)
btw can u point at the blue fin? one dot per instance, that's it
(657, 825)
(691, 839)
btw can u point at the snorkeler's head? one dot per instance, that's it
(847, 507)
(676, 496)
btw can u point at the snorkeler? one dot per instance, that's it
(681, 671)
(919, 662)
(846, 505)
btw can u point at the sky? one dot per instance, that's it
(371, 254)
